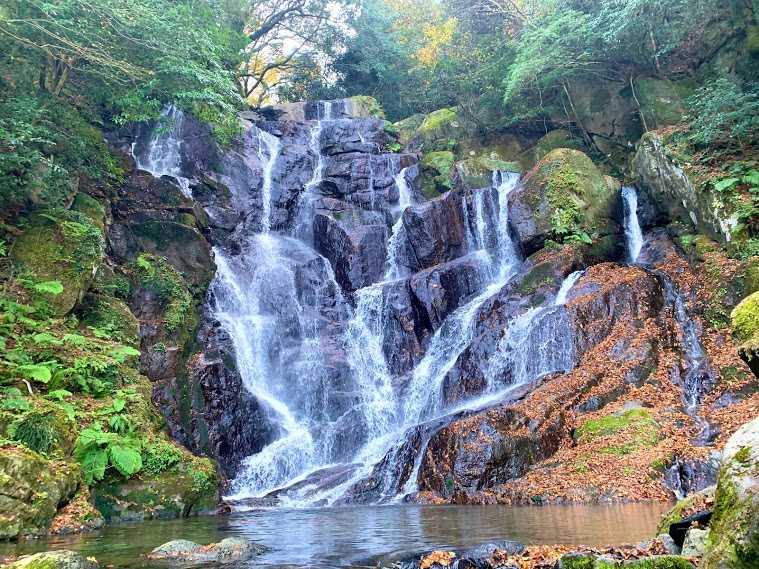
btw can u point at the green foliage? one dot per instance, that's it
(160, 456)
(13, 400)
(132, 56)
(35, 430)
(725, 113)
(97, 449)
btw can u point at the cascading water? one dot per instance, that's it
(324, 111)
(633, 233)
(397, 236)
(162, 155)
(699, 375)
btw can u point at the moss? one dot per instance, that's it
(155, 273)
(662, 101)
(408, 127)
(637, 422)
(60, 245)
(745, 318)
(438, 120)
(752, 40)
(369, 106)
(112, 316)
(661, 562)
(559, 138)
(436, 172)
(90, 207)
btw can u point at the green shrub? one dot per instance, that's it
(160, 456)
(96, 450)
(36, 431)
(725, 113)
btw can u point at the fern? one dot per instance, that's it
(96, 449)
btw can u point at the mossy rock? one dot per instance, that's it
(187, 489)
(559, 138)
(111, 315)
(637, 423)
(31, 491)
(564, 195)
(661, 101)
(365, 106)
(734, 530)
(440, 130)
(64, 246)
(436, 173)
(745, 322)
(478, 163)
(686, 507)
(90, 207)
(54, 560)
(44, 428)
(407, 128)
(183, 247)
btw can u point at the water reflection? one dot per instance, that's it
(345, 537)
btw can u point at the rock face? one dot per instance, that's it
(671, 190)
(31, 492)
(734, 531)
(745, 318)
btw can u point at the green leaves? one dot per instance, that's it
(726, 184)
(48, 287)
(122, 353)
(96, 449)
(37, 372)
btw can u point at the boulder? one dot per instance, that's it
(228, 550)
(440, 130)
(667, 183)
(695, 542)
(734, 530)
(60, 245)
(559, 138)
(188, 489)
(54, 560)
(564, 194)
(435, 231)
(745, 320)
(31, 491)
(112, 315)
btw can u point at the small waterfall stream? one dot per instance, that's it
(162, 155)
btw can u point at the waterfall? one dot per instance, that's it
(397, 239)
(633, 233)
(162, 155)
(268, 152)
(325, 112)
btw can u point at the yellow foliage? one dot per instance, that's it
(436, 38)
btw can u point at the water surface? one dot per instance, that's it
(355, 536)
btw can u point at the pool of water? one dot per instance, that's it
(359, 536)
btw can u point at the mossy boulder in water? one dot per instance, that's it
(31, 490)
(187, 489)
(563, 197)
(54, 560)
(745, 320)
(60, 245)
(479, 163)
(734, 535)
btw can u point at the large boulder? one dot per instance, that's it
(734, 530)
(669, 186)
(564, 194)
(61, 245)
(435, 231)
(188, 489)
(745, 319)
(31, 491)
(228, 550)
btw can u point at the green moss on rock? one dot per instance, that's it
(559, 138)
(637, 422)
(31, 490)
(54, 560)
(734, 530)
(90, 207)
(112, 316)
(661, 101)
(436, 173)
(745, 322)
(61, 245)
(367, 106)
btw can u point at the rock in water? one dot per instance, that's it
(54, 560)
(228, 550)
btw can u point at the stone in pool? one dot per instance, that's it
(54, 560)
(228, 550)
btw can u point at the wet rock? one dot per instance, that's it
(31, 491)
(54, 560)
(565, 185)
(435, 232)
(354, 241)
(669, 544)
(228, 550)
(445, 287)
